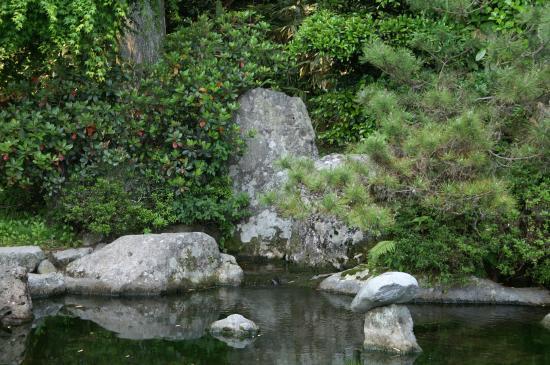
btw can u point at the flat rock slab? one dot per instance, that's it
(390, 329)
(346, 282)
(153, 264)
(384, 289)
(484, 291)
(15, 301)
(234, 326)
(63, 258)
(46, 285)
(25, 256)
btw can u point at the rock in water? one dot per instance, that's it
(153, 264)
(15, 301)
(388, 288)
(390, 329)
(46, 267)
(546, 321)
(46, 285)
(26, 256)
(65, 257)
(13, 344)
(235, 326)
(346, 282)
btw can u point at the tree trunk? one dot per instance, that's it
(145, 31)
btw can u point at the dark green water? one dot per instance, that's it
(299, 326)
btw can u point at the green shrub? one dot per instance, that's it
(173, 127)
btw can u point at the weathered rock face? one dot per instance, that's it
(483, 291)
(281, 127)
(146, 28)
(15, 301)
(388, 288)
(546, 321)
(152, 264)
(65, 257)
(235, 326)
(25, 256)
(346, 282)
(46, 285)
(390, 329)
(46, 267)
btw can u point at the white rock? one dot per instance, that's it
(546, 321)
(235, 326)
(388, 288)
(390, 329)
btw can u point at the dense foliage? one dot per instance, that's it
(443, 106)
(132, 153)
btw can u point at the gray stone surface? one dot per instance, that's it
(546, 321)
(390, 329)
(274, 125)
(281, 127)
(235, 326)
(15, 301)
(65, 257)
(484, 291)
(45, 267)
(46, 285)
(152, 264)
(346, 282)
(388, 288)
(26, 256)
(13, 344)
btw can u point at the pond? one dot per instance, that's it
(298, 326)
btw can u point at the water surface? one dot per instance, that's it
(298, 326)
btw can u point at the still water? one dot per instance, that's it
(298, 326)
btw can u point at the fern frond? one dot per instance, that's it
(380, 249)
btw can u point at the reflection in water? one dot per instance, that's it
(298, 326)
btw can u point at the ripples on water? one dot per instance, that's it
(298, 326)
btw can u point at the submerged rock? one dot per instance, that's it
(65, 257)
(25, 256)
(390, 329)
(546, 321)
(46, 285)
(388, 288)
(15, 301)
(152, 264)
(234, 326)
(46, 267)
(346, 282)
(13, 344)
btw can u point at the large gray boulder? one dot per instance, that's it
(46, 285)
(546, 321)
(13, 344)
(152, 264)
(25, 256)
(390, 329)
(15, 301)
(65, 257)
(381, 290)
(280, 126)
(275, 126)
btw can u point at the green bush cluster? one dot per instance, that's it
(166, 129)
